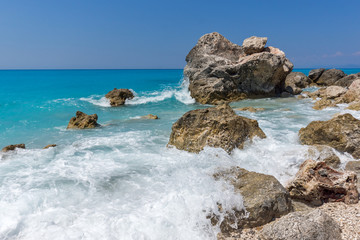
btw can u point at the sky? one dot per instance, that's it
(91, 34)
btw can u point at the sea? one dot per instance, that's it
(122, 181)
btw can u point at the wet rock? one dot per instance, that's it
(150, 116)
(250, 109)
(49, 146)
(118, 97)
(347, 81)
(323, 103)
(315, 74)
(254, 44)
(316, 183)
(341, 132)
(214, 127)
(329, 77)
(13, 147)
(305, 225)
(82, 121)
(264, 199)
(295, 81)
(354, 106)
(219, 70)
(354, 166)
(324, 153)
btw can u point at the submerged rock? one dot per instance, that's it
(13, 147)
(341, 132)
(315, 74)
(150, 116)
(330, 77)
(250, 109)
(82, 120)
(316, 183)
(49, 146)
(214, 127)
(305, 225)
(118, 97)
(295, 81)
(219, 70)
(264, 199)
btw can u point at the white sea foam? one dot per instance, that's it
(97, 100)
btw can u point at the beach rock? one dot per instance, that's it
(49, 146)
(150, 116)
(118, 97)
(264, 199)
(323, 103)
(219, 70)
(83, 120)
(295, 81)
(324, 153)
(214, 127)
(250, 109)
(254, 44)
(333, 92)
(315, 74)
(305, 225)
(316, 183)
(353, 94)
(346, 81)
(341, 132)
(354, 106)
(354, 166)
(329, 77)
(13, 147)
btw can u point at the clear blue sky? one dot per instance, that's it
(159, 34)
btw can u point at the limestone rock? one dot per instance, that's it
(315, 74)
(250, 109)
(324, 153)
(214, 127)
(333, 92)
(354, 166)
(353, 94)
(305, 225)
(329, 77)
(219, 70)
(295, 81)
(49, 146)
(354, 106)
(254, 44)
(264, 199)
(341, 132)
(347, 81)
(13, 147)
(316, 183)
(150, 116)
(118, 97)
(83, 120)
(323, 103)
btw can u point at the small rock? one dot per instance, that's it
(295, 81)
(150, 116)
(50, 146)
(324, 153)
(82, 121)
(323, 103)
(13, 147)
(354, 166)
(118, 97)
(354, 106)
(250, 109)
(254, 44)
(315, 74)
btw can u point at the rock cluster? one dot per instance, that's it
(118, 97)
(13, 147)
(82, 121)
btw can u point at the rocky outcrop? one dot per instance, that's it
(82, 121)
(295, 81)
(341, 132)
(330, 77)
(250, 109)
(353, 94)
(214, 127)
(264, 199)
(325, 154)
(316, 183)
(118, 97)
(150, 116)
(219, 70)
(305, 225)
(315, 74)
(49, 146)
(13, 147)
(347, 81)
(254, 44)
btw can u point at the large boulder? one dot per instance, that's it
(315, 74)
(254, 44)
(330, 77)
(219, 70)
(82, 121)
(118, 97)
(341, 132)
(295, 81)
(13, 147)
(214, 127)
(304, 225)
(316, 183)
(353, 94)
(264, 199)
(347, 81)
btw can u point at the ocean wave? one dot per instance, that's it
(97, 100)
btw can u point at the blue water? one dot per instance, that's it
(121, 181)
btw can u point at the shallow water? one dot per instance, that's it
(120, 181)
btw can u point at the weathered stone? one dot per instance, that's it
(304, 225)
(83, 120)
(315, 74)
(341, 132)
(295, 81)
(150, 116)
(254, 44)
(329, 77)
(264, 199)
(323, 103)
(333, 92)
(316, 183)
(353, 94)
(118, 97)
(49, 146)
(250, 109)
(324, 153)
(219, 70)
(347, 81)
(13, 147)
(354, 166)
(214, 127)
(354, 106)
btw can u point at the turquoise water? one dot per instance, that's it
(120, 181)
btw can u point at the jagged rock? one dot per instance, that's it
(250, 109)
(347, 81)
(354, 166)
(219, 70)
(83, 120)
(329, 77)
(341, 132)
(333, 92)
(118, 97)
(13, 147)
(354, 106)
(264, 199)
(353, 94)
(49, 146)
(324, 153)
(254, 44)
(150, 116)
(315, 74)
(295, 81)
(316, 183)
(323, 103)
(214, 127)
(305, 225)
